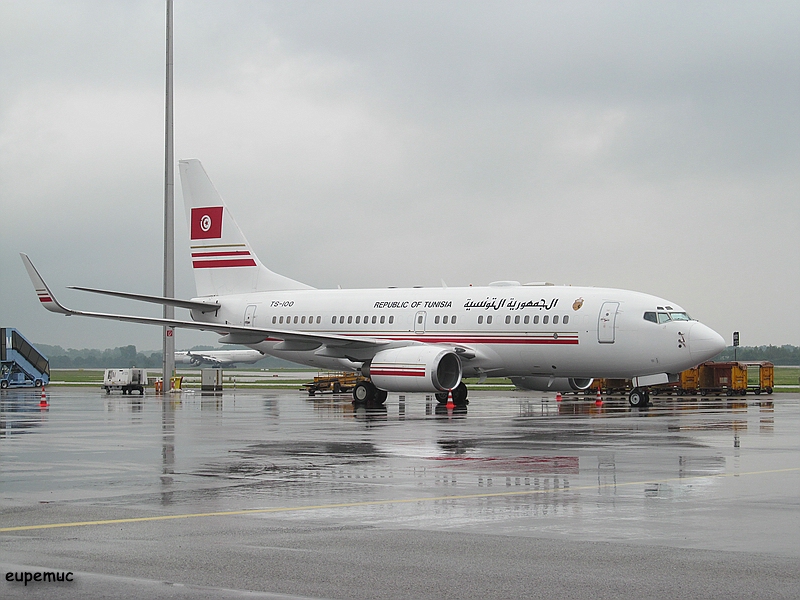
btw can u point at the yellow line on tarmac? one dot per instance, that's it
(284, 509)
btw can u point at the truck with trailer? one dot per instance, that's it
(126, 380)
(21, 364)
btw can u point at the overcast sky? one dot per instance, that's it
(641, 145)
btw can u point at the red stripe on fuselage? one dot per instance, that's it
(478, 340)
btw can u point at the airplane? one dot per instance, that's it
(427, 340)
(217, 358)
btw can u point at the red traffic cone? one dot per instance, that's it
(598, 399)
(450, 404)
(43, 401)
(558, 396)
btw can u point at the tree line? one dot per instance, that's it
(127, 356)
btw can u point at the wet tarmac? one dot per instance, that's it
(268, 493)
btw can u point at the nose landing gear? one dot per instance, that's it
(639, 397)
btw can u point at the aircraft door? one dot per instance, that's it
(250, 315)
(606, 323)
(419, 322)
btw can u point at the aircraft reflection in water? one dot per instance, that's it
(551, 338)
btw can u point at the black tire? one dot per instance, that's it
(38, 383)
(337, 389)
(460, 395)
(757, 391)
(4, 384)
(441, 397)
(380, 396)
(636, 397)
(769, 390)
(311, 392)
(364, 392)
(729, 392)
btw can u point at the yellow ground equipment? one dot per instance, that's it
(337, 383)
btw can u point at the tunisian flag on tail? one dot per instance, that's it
(207, 223)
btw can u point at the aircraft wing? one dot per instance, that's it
(190, 304)
(234, 334)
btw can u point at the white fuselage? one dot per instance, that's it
(507, 330)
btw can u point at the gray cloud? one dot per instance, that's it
(645, 146)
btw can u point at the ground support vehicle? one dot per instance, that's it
(689, 382)
(760, 377)
(609, 386)
(723, 377)
(21, 365)
(337, 383)
(126, 380)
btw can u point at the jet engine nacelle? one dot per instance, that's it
(415, 369)
(555, 384)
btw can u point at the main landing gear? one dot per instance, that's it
(367, 395)
(459, 395)
(639, 397)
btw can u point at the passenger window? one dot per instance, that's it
(435, 320)
(444, 319)
(383, 319)
(536, 320)
(391, 319)
(358, 320)
(333, 320)
(366, 319)
(489, 320)
(274, 320)
(566, 319)
(663, 317)
(453, 320)
(555, 319)
(650, 316)
(419, 319)
(374, 319)
(281, 320)
(516, 320)
(508, 319)
(480, 320)
(545, 319)
(527, 319)
(303, 320)
(319, 320)
(349, 319)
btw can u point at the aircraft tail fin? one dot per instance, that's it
(222, 260)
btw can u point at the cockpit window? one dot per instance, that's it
(650, 316)
(680, 316)
(663, 317)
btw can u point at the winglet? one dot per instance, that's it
(46, 297)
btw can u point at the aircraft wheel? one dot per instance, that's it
(363, 392)
(636, 397)
(460, 395)
(441, 397)
(380, 396)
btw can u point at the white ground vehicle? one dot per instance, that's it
(126, 380)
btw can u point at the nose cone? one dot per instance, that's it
(704, 343)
